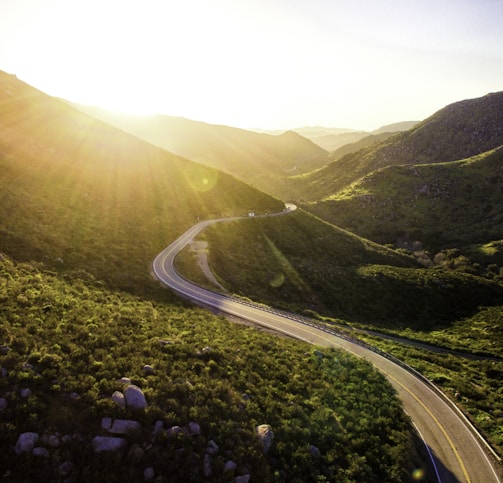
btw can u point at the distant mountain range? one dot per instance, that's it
(262, 160)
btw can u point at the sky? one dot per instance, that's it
(270, 64)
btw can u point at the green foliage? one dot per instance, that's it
(71, 341)
(322, 268)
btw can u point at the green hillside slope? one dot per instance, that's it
(458, 131)
(79, 194)
(83, 204)
(260, 159)
(440, 205)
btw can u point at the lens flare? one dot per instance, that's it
(418, 474)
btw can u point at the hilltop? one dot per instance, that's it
(260, 159)
(441, 205)
(458, 131)
(68, 177)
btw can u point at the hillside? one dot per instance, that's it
(260, 159)
(364, 142)
(85, 207)
(458, 131)
(441, 205)
(67, 177)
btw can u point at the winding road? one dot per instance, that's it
(456, 451)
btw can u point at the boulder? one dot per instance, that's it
(266, 436)
(118, 398)
(108, 443)
(25, 393)
(194, 429)
(136, 454)
(3, 404)
(106, 423)
(314, 451)
(135, 399)
(125, 380)
(230, 466)
(3, 372)
(124, 426)
(26, 442)
(242, 479)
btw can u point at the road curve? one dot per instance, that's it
(457, 453)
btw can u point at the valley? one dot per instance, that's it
(86, 209)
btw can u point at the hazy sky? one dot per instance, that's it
(259, 63)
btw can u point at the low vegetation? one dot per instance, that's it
(295, 262)
(70, 341)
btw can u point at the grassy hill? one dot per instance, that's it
(441, 205)
(458, 131)
(261, 160)
(78, 194)
(85, 208)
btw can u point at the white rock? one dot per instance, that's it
(124, 426)
(26, 442)
(108, 443)
(118, 398)
(265, 436)
(135, 399)
(125, 380)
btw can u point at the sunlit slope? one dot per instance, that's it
(441, 205)
(77, 193)
(458, 131)
(262, 160)
(299, 262)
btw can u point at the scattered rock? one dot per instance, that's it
(148, 369)
(194, 429)
(125, 380)
(26, 442)
(124, 426)
(3, 404)
(149, 473)
(4, 349)
(66, 468)
(230, 466)
(242, 479)
(118, 398)
(265, 436)
(53, 441)
(314, 451)
(207, 350)
(40, 451)
(158, 428)
(25, 393)
(212, 447)
(107, 443)
(135, 399)
(3, 372)
(106, 423)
